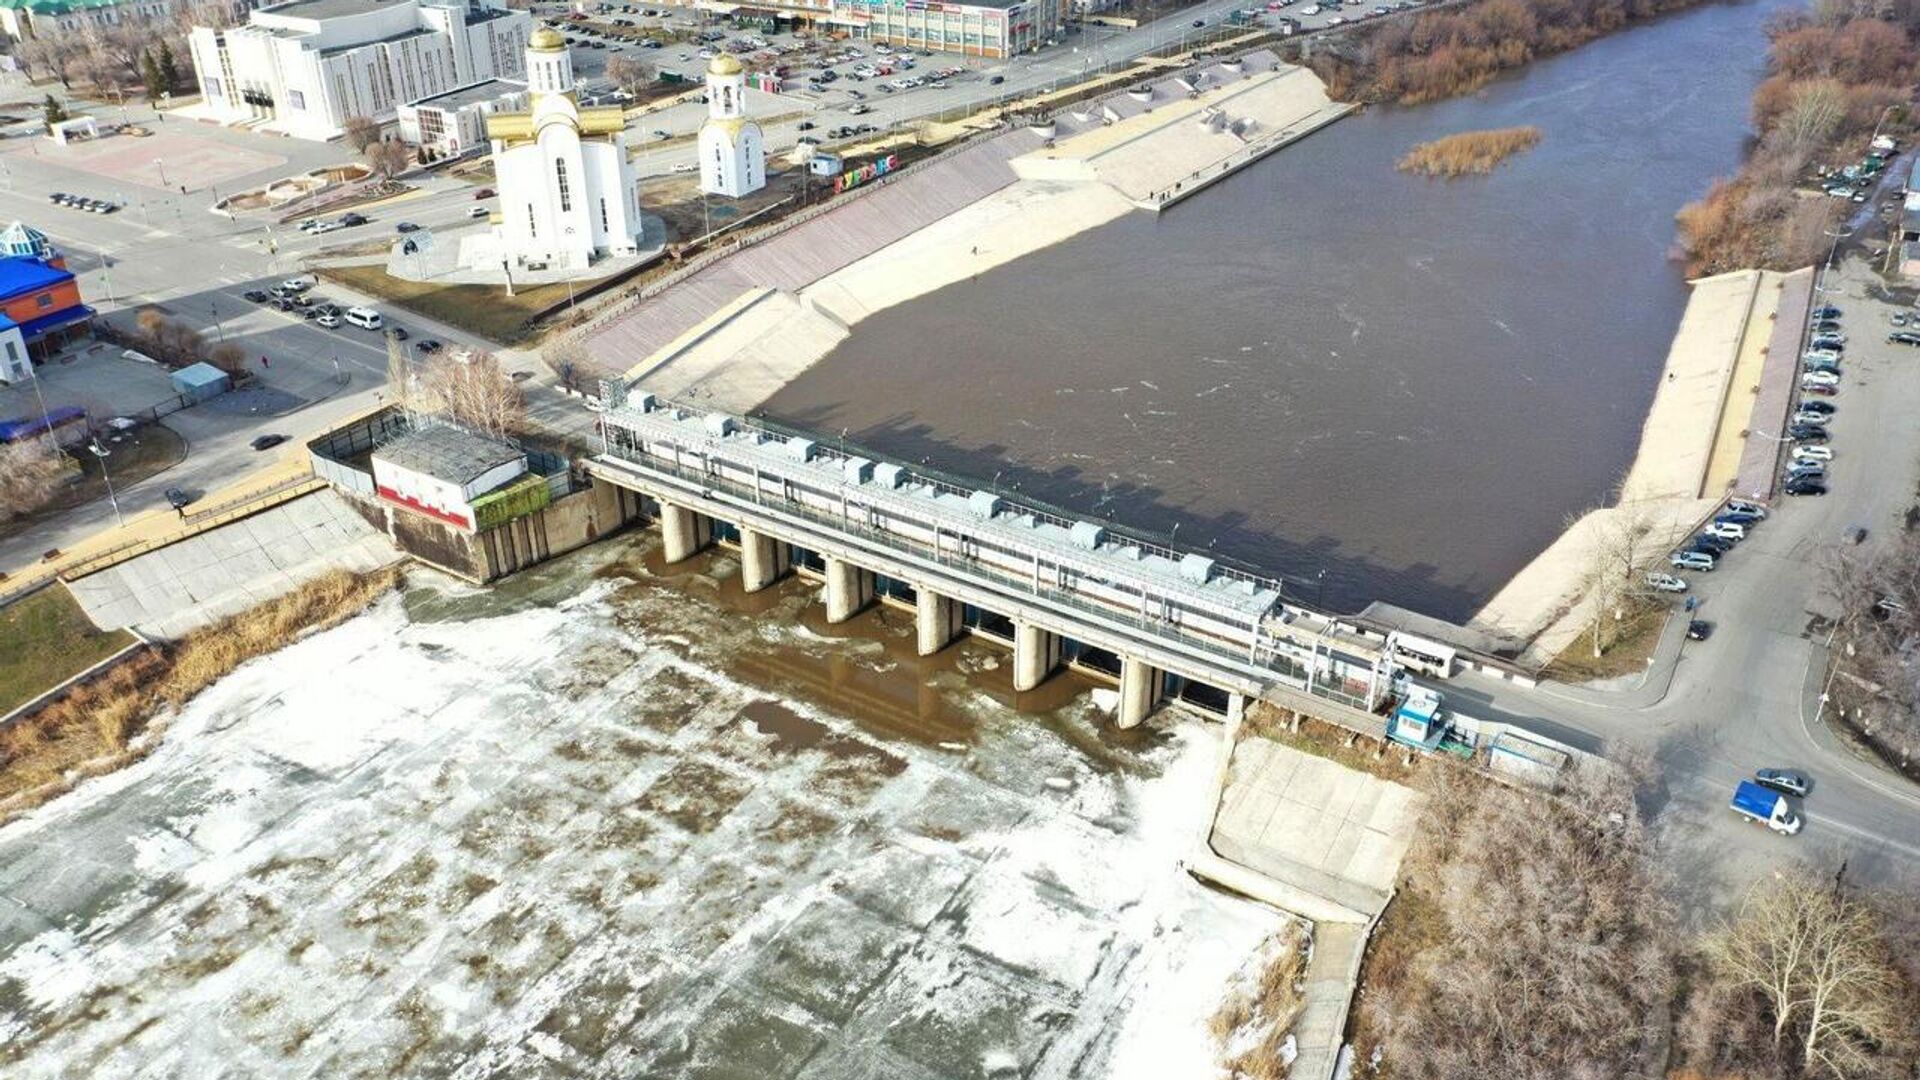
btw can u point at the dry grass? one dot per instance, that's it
(1321, 739)
(485, 310)
(1253, 1020)
(1626, 648)
(1470, 153)
(93, 729)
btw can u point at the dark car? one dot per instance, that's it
(1826, 326)
(1699, 630)
(397, 333)
(1820, 391)
(427, 345)
(1805, 487)
(1904, 337)
(1785, 781)
(405, 227)
(267, 442)
(1199, 22)
(1717, 545)
(1824, 408)
(1826, 312)
(1806, 431)
(256, 296)
(484, 193)
(178, 499)
(350, 220)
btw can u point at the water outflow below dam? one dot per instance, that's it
(1325, 366)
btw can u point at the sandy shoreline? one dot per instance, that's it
(1689, 459)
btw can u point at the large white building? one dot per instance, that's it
(306, 67)
(456, 121)
(568, 192)
(733, 154)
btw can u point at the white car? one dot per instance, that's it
(328, 321)
(1310, 9)
(478, 211)
(1666, 583)
(686, 166)
(297, 284)
(1819, 378)
(1725, 530)
(1810, 418)
(1813, 453)
(1821, 354)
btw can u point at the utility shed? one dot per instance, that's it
(441, 470)
(198, 382)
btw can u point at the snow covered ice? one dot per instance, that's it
(559, 832)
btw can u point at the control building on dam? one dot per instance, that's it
(1057, 589)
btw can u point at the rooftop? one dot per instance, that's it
(448, 453)
(472, 94)
(25, 273)
(328, 9)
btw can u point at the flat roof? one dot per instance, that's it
(329, 9)
(448, 453)
(472, 93)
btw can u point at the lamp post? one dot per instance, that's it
(162, 166)
(101, 452)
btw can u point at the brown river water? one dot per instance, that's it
(1380, 386)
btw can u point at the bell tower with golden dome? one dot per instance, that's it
(733, 154)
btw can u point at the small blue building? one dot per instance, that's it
(201, 381)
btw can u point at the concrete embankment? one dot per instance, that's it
(1726, 380)
(734, 333)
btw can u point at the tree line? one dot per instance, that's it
(1443, 54)
(1835, 76)
(1536, 938)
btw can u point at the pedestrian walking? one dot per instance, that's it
(264, 362)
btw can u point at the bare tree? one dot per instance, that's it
(388, 157)
(628, 73)
(360, 132)
(228, 357)
(31, 472)
(474, 390)
(1821, 968)
(1618, 543)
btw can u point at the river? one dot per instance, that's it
(1385, 387)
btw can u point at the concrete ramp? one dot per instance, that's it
(206, 577)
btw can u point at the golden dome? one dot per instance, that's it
(723, 64)
(547, 39)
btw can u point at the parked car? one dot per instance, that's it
(1699, 630)
(1804, 417)
(267, 442)
(1831, 367)
(1741, 520)
(484, 193)
(1727, 530)
(256, 296)
(1691, 560)
(426, 346)
(406, 227)
(1806, 431)
(328, 321)
(1742, 506)
(348, 221)
(478, 211)
(177, 498)
(1785, 781)
(1666, 583)
(1827, 408)
(1820, 378)
(1712, 545)
(1820, 354)
(1820, 391)
(1826, 311)
(1813, 453)
(1805, 487)
(1903, 337)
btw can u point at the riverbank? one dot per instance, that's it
(1690, 458)
(732, 335)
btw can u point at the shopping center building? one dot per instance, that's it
(981, 28)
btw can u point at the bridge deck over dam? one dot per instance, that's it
(962, 555)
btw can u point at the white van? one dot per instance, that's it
(364, 317)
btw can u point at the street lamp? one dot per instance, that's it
(101, 452)
(162, 166)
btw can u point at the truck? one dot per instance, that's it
(1769, 808)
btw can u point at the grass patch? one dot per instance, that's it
(153, 448)
(485, 310)
(1470, 153)
(49, 640)
(1321, 739)
(93, 729)
(1259, 1009)
(1628, 645)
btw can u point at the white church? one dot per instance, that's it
(733, 154)
(568, 193)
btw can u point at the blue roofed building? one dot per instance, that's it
(42, 299)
